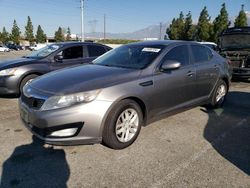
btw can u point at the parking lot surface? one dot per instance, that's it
(200, 147)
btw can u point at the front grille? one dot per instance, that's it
(32, 102)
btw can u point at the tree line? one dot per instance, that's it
(40, 37)
(183, 28)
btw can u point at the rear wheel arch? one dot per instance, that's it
(226, 80)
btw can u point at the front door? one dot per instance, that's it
(175, 88)
(71, 56)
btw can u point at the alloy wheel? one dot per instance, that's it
(221, 92)
(127, 125)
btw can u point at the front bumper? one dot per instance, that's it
(241, 73)
(88, 117)
(9, 86)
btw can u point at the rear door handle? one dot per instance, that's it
(190, 73)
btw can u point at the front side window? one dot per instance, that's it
(130, 56)
(201, 53)
(72, 52)
(179, 54)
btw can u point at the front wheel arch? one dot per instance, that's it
(26, 76)
(108, 131)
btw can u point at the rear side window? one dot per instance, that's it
(96, 50)
(201, 53)
(73, 52)
(179, 53)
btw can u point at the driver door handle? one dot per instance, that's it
(190, 73)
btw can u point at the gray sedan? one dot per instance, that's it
(109, 100)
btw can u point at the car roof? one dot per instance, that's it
(164, 42)
(78, 43)
(212, 43)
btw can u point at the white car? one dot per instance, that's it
(211, 45)
(37, 47)
(4, 48)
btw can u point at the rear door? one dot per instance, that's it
(207, 70)
(175, 88)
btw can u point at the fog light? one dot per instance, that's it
(64, 132)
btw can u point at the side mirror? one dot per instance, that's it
(58, 58)
(170, 65)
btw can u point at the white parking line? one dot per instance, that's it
(196, 156)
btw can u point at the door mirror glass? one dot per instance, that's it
(170, 65)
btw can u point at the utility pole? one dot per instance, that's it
(104, 27)
(160, 30)
(82, 21)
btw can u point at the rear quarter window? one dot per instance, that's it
(201, 53)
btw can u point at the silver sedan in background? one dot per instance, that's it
(109, 100)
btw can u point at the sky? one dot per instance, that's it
(122, 16)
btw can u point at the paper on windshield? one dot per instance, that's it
(155, 50)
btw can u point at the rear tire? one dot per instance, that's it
(219, 94)
(123, 125)
(26, 80)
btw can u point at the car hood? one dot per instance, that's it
(14, 63)
(82, 78)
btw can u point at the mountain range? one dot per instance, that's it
(152, 31)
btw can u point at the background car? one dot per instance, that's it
(4, 48)
(211, 45)
(128, 87)
(37, 47)
(14, 74)
(14, 47)
(235, 46)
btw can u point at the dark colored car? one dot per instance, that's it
(14, 74)
(14, 47)
(130, 86)
(235, 46)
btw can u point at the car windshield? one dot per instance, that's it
(130, 56)
(235, 41)
(44, 52)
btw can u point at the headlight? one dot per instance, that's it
(8, 72)
(56, 102)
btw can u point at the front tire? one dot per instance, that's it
(123, 124)
(219, 94)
